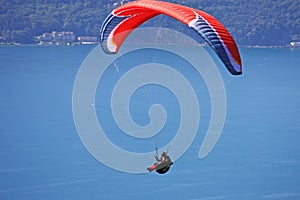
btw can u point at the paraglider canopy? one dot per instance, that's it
(121, 21)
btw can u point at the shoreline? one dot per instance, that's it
(96, 43)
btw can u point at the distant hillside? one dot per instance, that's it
(252, 22)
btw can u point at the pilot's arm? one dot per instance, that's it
(156, 158)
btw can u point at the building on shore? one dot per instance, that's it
(3, 40)
(87, 39)
(295, 43)
(57, 38)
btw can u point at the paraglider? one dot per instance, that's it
(124, 19)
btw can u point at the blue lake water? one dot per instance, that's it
(42, 157)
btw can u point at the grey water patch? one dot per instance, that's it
(280, 196)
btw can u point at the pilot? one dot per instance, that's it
(164, 157)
